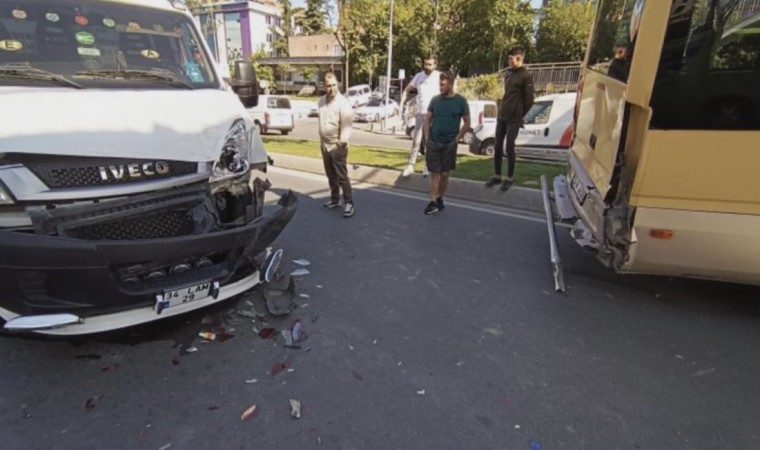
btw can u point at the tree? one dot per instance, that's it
(315, 17)
(308, 73)
(563, 31)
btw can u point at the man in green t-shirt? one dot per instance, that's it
(442, 133)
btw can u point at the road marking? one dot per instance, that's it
(501, 211)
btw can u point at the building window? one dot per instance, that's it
(269, 20)
(337, 51)
(270, 38)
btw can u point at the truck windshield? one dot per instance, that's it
(95, 44)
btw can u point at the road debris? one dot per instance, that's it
(314, 318)
(535, 445)
(517, 427)
(277, 368)
(191, 349)
(302, 262)
(357, 375)
(110, 367)
(267, 333)
(421, 392)
(280, 294)
(165, 447)
(252, 381)
(304, 295)
(212, 408)
(350, 347)
(460, 363)
(299, 273)
(319, 286)
(175, 360)
(248, 412)
(297, 332)
(295, 409)
(89, 405)
(207, 335)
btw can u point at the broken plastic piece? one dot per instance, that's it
(267, 333)
(89, 405)
(299, 272)
(280, 295)
(535, 445)
(212, 407)
(295, 409)
(251, 381)
(421, 392)
(166, 447)
(297, 332)
(277, 368)
(248, 412)
(207, 335)
(191, 349)
(304, 295)
(302, 262)
(288, 337)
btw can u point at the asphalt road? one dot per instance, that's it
(424, 333)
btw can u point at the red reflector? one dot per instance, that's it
(567, 137)
(661, 234)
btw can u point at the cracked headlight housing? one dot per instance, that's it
(236, 151)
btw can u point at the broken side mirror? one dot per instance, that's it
(244, 84)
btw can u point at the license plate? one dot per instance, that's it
(580, 193)
(183, 295)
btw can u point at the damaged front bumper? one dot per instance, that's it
(108, 265)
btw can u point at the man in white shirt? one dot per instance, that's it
(427, 85)
(335, 120)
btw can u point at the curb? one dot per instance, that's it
(516, 198)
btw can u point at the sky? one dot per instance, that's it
(302, 3)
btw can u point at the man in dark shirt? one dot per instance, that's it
(442, 132)
(517, 100)
(619, 66)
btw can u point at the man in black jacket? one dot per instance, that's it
(517, 100)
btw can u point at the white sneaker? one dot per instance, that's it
(408, 171)
(425, 171)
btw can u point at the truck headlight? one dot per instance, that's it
(236, 150)
(5, 196)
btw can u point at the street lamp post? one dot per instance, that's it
(388, 73)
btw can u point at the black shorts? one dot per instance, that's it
(441, 157)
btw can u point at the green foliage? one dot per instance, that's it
(315, 16)
(264, 73)
(482, 87)
(309, 73)
(563, 31)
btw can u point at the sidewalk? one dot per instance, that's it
(394, 127)
(516, 198)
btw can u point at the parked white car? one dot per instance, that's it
(359, 95)
(547, 133)
(273, 113)
(374, 111)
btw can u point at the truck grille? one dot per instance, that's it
(163, 224)
(78, 172)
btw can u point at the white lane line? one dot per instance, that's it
(390, 191)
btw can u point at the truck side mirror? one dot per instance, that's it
(244, 84)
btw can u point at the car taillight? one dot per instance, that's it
(266, 117)
(567, 137)
(480, 118)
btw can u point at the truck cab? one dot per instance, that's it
(132, 180)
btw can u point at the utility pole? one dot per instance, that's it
(388, 73)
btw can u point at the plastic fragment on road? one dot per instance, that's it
(191, 349)
(166, 447)
(295, 409)
(421, 392)
(299, 273)
(280, 294)
(89, 405)
(297, 332)
(267, 333)
(252, 381)
(207, 335)
(304, 295)
(277, 368)
(535, 445)
(302, 262)
(248, 412)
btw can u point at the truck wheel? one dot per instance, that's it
(467, 138)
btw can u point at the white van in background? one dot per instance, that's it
(359, 95)
(273, 113)
(547, 132)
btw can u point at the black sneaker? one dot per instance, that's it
(506, 184)
(431, 208)
(439, 202)
(493, 181)
(349, 210)
(331, 204)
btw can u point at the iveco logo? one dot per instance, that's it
(133, 171)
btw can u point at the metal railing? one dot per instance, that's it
(551, 78)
